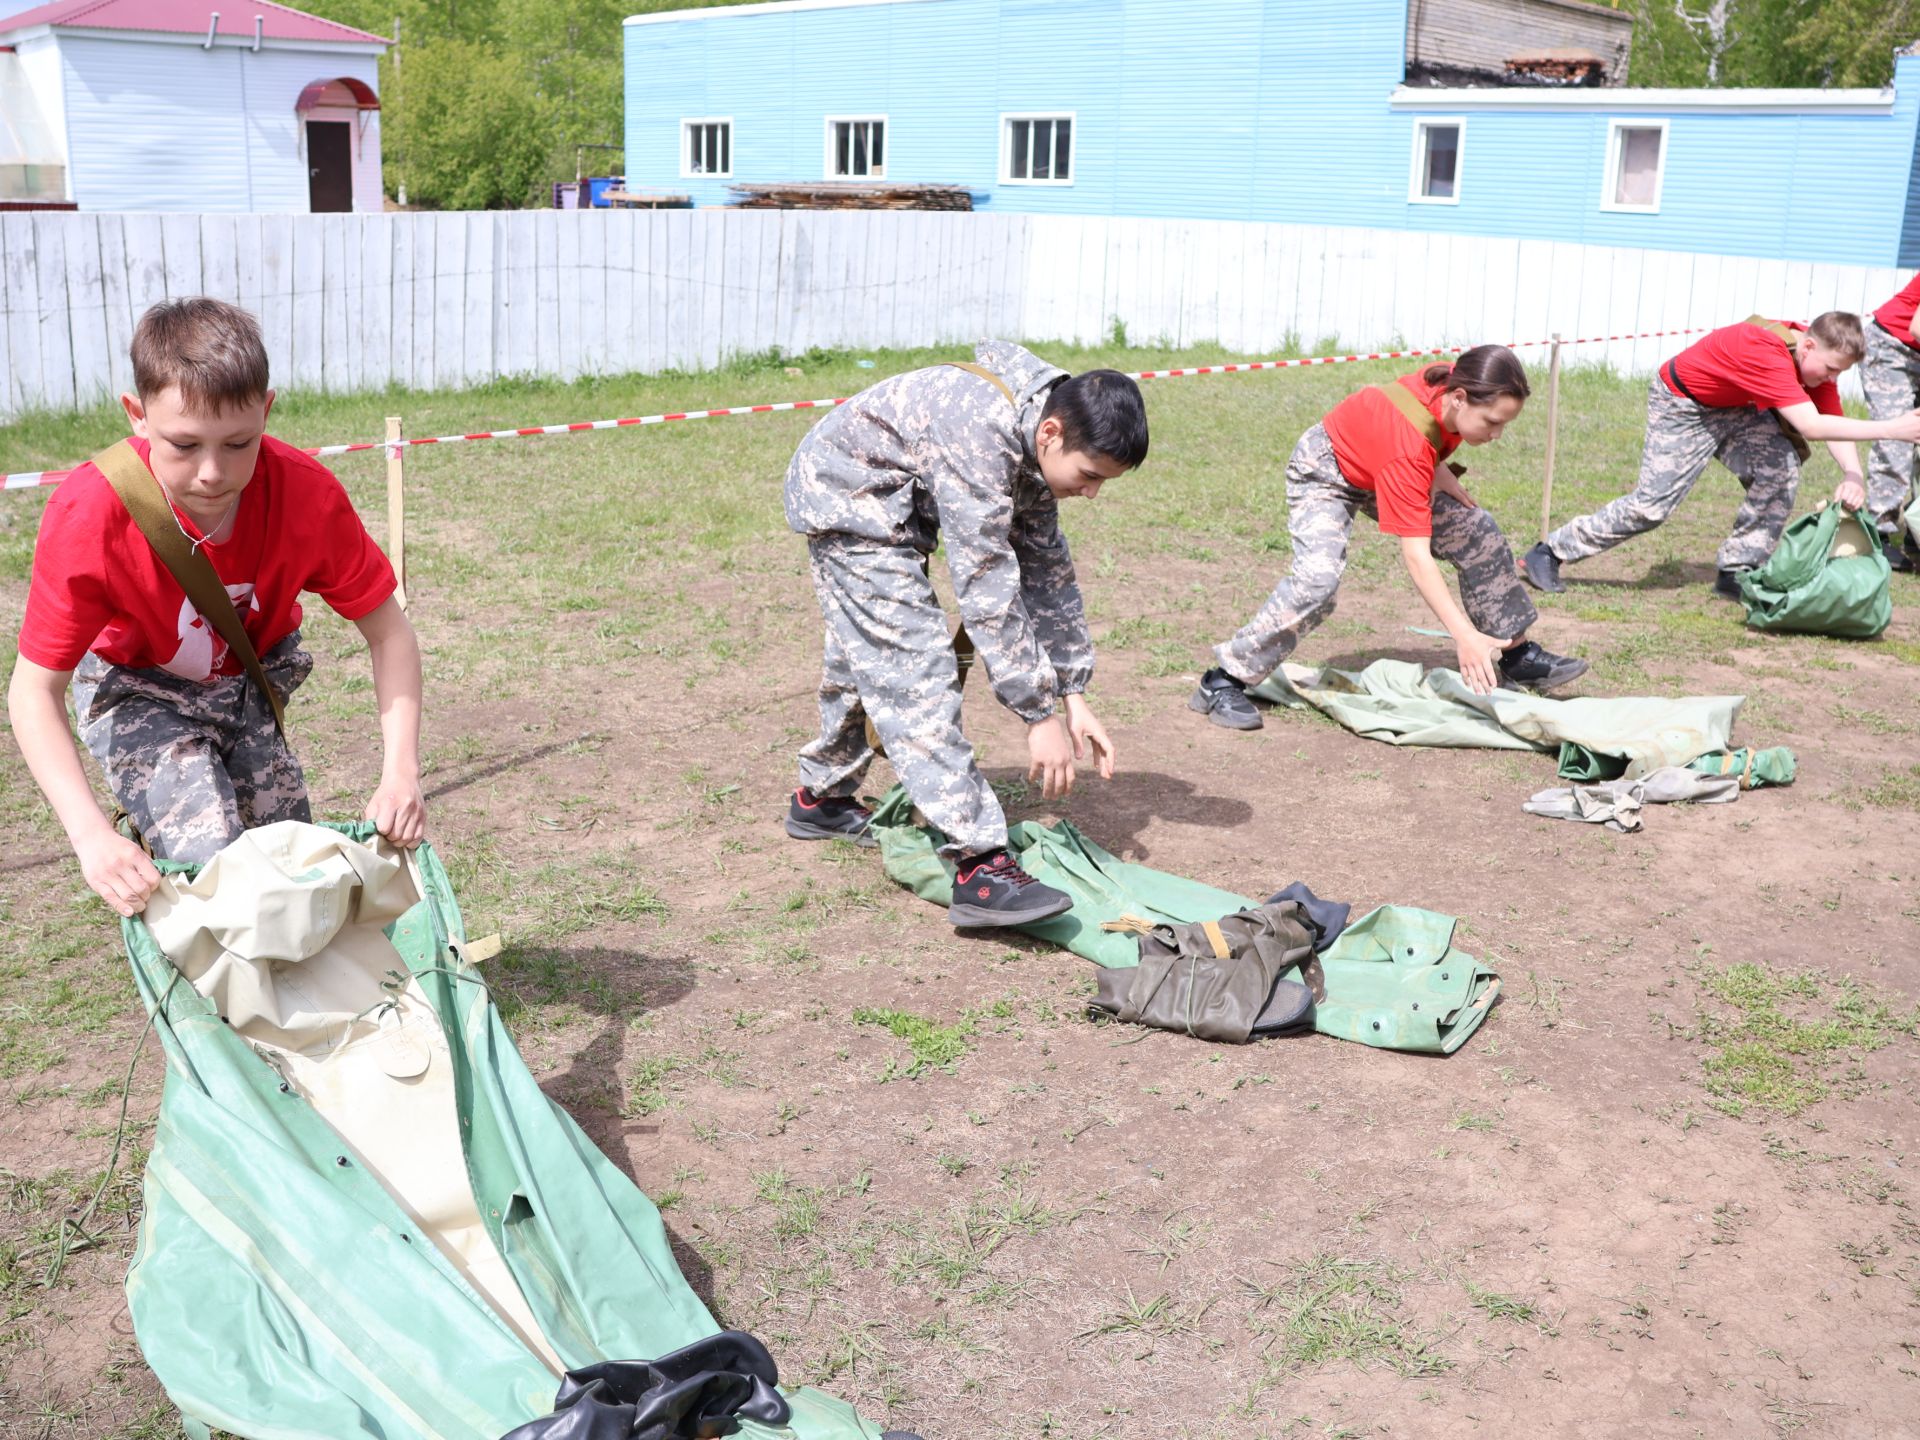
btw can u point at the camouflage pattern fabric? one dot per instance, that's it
(939, 454)
(1682, 438)
(1320, 510)
(194, 763)
(890, 658)
(1891, 377)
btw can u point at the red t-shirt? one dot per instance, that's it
(1896, 316)
(97, 584)
(1379, 450)
(1739, 365)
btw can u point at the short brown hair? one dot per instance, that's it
(210, 350)
(1838, 330)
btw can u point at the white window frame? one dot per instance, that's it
(1417, 174)
(1007, 117)
(886, 146)
(1610, 177)
(687, 172)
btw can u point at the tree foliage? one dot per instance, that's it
(484, 103)
(1769, 43)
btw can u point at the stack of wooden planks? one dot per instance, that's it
(852, 195)
(1558, 67)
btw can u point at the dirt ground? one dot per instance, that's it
(1079, 1230)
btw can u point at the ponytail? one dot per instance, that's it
(1485, 373)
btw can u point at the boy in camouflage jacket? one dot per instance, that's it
(978, 456)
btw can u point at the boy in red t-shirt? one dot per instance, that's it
(1749, 395)
(1891, 377)
(1383, 450)
(188, 743)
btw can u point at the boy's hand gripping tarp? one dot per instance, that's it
(426, 1263)
(1392, 979)
(1828, 576)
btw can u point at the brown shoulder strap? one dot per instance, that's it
(147, 503)
(1417, 415)
(1779, 332)
(987, 375)
(1421, 418)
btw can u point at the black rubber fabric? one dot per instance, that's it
(693, 1393)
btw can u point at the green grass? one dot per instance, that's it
(1329, 1310)
(1784, 1042)
(932, 1045)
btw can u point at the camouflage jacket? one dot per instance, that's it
(938, 453)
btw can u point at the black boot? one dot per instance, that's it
(1540, 568)
(1528, 666)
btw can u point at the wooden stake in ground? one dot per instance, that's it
(1553, 436)
(397, 508)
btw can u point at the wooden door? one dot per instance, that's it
(329, 166)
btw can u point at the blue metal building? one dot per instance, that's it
(1280, 110)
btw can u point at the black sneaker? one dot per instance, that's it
(828, 817)
(1540, 568)
(1223, 700)
(1727, 583)
(991, 889)
(1529, 667)
(1903, 557)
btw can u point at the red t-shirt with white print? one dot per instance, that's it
(98, 585)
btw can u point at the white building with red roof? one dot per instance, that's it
(178, 105)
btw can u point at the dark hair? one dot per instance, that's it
(1101, 413)
(209, 349)
(1838, 330)
(1485, 372)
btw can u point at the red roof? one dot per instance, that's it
(188, 17)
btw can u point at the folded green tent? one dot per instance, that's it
(1392, 979)
(362, 1215)
(1827, 576)
(1398, 702)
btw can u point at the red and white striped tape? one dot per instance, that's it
(29, 479)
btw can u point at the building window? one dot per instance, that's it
(856, 147)
(1036, 150)
(1636, 165)
(706, 148)
(1437, 149)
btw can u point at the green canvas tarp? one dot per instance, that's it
(1400, 703)
(1393, 979)
(1827, 576)
(280, 1289)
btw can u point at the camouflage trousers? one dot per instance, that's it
(1320, 508)
(1682, 439)
(1891, 377)
(193, 763)
(889, 658)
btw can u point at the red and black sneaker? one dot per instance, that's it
(991, 889)
(828, 817)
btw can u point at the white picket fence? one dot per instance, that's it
(359, 302)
